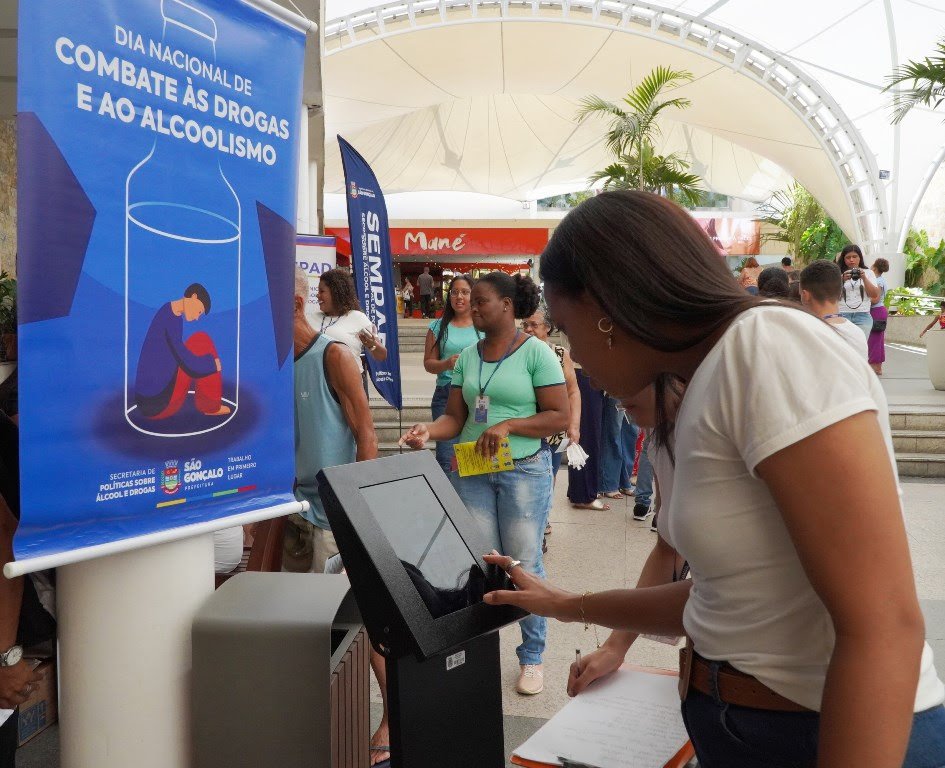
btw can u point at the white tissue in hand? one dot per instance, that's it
(577, 457)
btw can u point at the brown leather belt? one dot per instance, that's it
(734, 687)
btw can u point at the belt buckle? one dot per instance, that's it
(685, 669)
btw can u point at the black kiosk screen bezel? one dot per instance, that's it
(349, 513)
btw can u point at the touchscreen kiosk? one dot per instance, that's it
(413, 554)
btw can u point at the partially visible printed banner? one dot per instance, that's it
(315, 255)
(158, 161)
(373, 267)
(734, 237)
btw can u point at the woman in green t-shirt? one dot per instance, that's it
(508, 386)
(447, 337)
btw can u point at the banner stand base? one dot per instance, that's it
(125, 654)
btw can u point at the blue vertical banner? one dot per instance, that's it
(158, 161)
(373, 267)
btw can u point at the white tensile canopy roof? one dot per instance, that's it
(480, 95)
(472, 96)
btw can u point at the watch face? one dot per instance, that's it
(13, 656)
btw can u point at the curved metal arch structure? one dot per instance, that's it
(842, 143)
(916, 201)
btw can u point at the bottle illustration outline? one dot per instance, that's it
(163, 226)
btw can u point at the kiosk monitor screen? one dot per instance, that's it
(423, 537)
(414, 554)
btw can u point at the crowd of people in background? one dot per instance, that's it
(503, 383)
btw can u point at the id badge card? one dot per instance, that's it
(481, 414)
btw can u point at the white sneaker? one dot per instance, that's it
(531, 680)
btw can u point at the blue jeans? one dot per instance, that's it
(644, 492)
(726, 736)
(444, 448)
(512, 509)
(862, 320)
(618, 442)
(556, 459)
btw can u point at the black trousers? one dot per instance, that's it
(583, 483)
(425, 304)
(9, 736)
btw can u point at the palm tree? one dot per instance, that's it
(928, 84)
(635, 123)
(664, 174)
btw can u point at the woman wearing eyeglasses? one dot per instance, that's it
(540, 326)
(447, 337)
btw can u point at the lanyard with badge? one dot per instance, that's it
(481, 415)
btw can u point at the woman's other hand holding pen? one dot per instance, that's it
(595, 665)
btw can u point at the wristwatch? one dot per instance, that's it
(12, 656)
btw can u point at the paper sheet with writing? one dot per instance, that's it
(470, 462)
(630, 719)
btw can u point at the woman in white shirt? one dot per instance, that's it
(859, 289)
(805, 638)
(340, 317)
(406, 294)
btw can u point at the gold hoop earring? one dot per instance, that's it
(609, 330)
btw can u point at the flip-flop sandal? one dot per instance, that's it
(615, 495)
(597, 505)
(628, 491)
(384, 763)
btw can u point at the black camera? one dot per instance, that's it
(855, 274)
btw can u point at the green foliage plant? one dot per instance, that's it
(911, 301)
(925, 263)
(924, 81)
(801, 223)
(632, 132)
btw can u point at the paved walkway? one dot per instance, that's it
(906, 378)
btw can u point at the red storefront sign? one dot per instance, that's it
(442, 241)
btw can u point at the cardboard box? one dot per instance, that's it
(39, 711)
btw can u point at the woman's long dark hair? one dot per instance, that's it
(653, 270)
(667, 387)
(449, 313)
(340, 285)
(649, 265)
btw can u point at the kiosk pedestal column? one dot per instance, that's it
(124, 654)
(447, 710)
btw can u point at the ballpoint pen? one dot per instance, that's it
(566, 763)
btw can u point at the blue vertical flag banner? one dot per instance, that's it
(158, 161)
(373, 267)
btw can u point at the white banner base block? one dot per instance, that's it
(125, 654)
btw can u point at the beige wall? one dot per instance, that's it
(8, 195)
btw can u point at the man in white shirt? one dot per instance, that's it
(821, 283)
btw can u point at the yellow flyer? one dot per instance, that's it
(470, 462)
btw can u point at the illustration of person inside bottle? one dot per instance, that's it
(169, 367)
